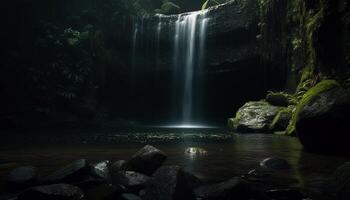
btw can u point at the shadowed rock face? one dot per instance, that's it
(147, 160)
(169, 183)
(323, 123)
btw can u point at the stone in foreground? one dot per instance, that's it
(22, 175)
(52, 192)
(132, 180)
(100, 170)
(169, 183)
(73, 172)
(147, 160)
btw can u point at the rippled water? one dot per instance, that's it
(228, 154)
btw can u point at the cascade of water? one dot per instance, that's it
(187, 39)
(188, 35)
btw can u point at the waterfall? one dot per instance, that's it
(187, 34)
(189, 50)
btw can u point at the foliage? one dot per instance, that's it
(307, 97)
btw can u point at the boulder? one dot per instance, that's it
(255, 116)
(146, 161)
(73, 172)
(22, 175)
(132, 180)
(100, 170)
(275, 164)
(52, 192)
(118, 166)
(322, 118)
(169, 183)
(341, 182)
(278, 98)
(234, 188)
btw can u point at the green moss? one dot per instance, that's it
(277, 120)
(307, 97)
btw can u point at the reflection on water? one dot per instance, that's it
(234, 157)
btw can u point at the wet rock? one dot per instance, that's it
(73, 172)
(169, 183)
(129, 196)
(147, 160)
(341, 182)
(117, 166)
(322, 118)
(275, 164)
(22, 175)
(255, 117)
(52, 192)
(234, 188)
(285, 194)
(100, 170)
(132, 180)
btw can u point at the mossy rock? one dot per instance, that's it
(321, 118)
(169, 8)
(278, 98)
(255, 116)
(306, 98)
(281, 120)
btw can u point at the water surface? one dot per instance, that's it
(228, 154)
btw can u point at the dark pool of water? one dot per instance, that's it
(228, 154)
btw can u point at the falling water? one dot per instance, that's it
(187, 33)
(189, 50)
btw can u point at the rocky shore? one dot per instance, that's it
(144, 176)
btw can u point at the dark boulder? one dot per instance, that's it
(169, 183)
(25, 175)
(275, 164)
(235, 188)
(73, 172)
(100, 170)
(118, 166)
(52, 192)
(278, 99)
(132, 180)
(322, 118)
(146, 161)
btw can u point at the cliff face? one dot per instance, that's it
(311, 39)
